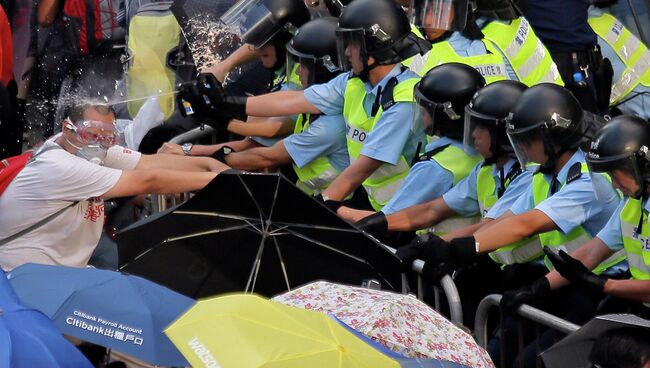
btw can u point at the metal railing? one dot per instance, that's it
(448, 287)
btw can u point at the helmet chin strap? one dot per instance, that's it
(549, 166)
(365, 73)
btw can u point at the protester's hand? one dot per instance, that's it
(219, 70)
(512, 299)
(574, 271)
(171, 149)
(375, 225)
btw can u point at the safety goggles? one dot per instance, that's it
(91, 132)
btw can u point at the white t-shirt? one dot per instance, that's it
(49, 183)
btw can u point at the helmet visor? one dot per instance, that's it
(303, 67)
(528, 142)
(351, 49)
(601, 172)
(447, 15)
(474, 120)
(440, 114)
(253, 20)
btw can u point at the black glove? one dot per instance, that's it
(512, 299)
(463, 251)
(375, 225)
(221, 154)
(329, 203)
(206, 98)
(428, 247)
(574, 271)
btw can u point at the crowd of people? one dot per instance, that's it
(503, 143)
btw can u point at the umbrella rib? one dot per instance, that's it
(207, 232)
(321, 227)
(275, 197)
(256, 267)
(259, 208)
(213, 214)
(304, 237)
(282, 265)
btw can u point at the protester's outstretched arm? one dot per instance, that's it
(246, 53)
(420, 216)
(135, 182)
(259, 158)
(283, 103)
(512, 229)
(351, 178)
(262, 127)
(181, 163)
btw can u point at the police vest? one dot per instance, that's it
(554, 239)
(281, 78)
(526, 53)
(459, 164)
(636, 243)
(487, 195)
(632, 52)
(415, 57)
(490, 65)
(384, 181)
(317, 175)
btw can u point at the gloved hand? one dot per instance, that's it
(512, 299)
(206, 98)
(463, 251)
(428, 247)
(329, 203)
(375, 225)
(220, 155)
(574, 271)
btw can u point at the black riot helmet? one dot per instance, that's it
(623, 144)
(314, 48)
(489, 109)
(442, 95)
(379, 29)
(549, 113)
(263, 21)
(498, 9)
(335, 7)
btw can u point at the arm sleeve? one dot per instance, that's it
(328, 97)
(320, 139)
(462, 198)
(524, 203)
(122, 158)
(420, 187)
(612, 233)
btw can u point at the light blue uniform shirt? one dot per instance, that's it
(463, 197)
(612, 233)
(575, 204)
(396, 133)
(285, 86)
(639, 105)
(426, 180)
(324, 137)
(466, 47)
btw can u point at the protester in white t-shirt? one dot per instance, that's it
(59, 177)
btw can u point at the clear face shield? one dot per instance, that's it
(528, 143)
(435, 114)
(306, 66)
(444, 15)
(253, 20)
(623, 169)
(478, 140)
(351, 50)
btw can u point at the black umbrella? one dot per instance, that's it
(252, 232)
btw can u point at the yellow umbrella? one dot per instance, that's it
(241, 331)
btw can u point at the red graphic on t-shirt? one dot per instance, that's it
(94, 211)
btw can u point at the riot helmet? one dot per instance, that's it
(623, 145)
(314, 48)
(549, 115)
(442, 95)
(375, 28)
(488, 110)
(498, 9)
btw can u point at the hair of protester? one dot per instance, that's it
(627, 347)
(76, 111)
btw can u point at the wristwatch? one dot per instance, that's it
(186, 147)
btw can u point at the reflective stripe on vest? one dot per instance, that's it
(317, 175)
(632, 52)
(526, 53)
(486, 193)
(384, 181)
(636, 245)
(490, 65)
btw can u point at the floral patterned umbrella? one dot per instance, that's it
(400, 322)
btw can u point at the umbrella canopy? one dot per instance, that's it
(250, 331)
(573, 350)
(111, 309)
(252, 232)
(29, 339)
(401, 322)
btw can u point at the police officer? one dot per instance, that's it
(442, 95)
(375, 99)
(317, 148)
(630, 60)
(562, 26)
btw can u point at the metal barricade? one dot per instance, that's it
(448, 287)
(536, 315)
